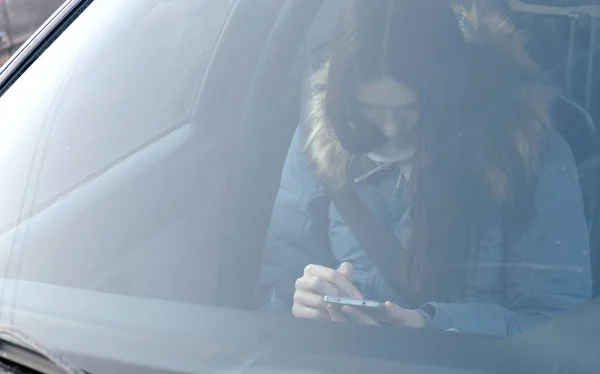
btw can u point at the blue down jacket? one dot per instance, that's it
(513, 283)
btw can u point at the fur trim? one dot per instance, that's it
(327, 154)
(532, 103)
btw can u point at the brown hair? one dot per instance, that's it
(466, 161)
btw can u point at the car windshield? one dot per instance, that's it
(355, 180)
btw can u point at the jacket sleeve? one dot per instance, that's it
(547, 270)
(298, 232)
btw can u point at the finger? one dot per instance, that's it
(304, 312)
(316, 285)
(309, 299)
(406, 317)
(336, 314)
(395, 313)
(337, 279)
(359, 316)
(347, 270)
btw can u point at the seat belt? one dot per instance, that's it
(390, 257)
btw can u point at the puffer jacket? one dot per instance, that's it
(513, 282)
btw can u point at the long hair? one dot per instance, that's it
(467, 162)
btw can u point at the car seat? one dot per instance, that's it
(578, 128)
(571, 57)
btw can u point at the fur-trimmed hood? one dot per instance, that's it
(483, 26)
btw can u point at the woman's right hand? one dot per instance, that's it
(317, 282)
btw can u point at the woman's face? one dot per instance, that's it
(391, 106)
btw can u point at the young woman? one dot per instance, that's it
(443, 132)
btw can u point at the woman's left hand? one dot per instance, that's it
(397, 315)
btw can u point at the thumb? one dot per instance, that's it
(395, 312)
(347, 270)
(406, 317)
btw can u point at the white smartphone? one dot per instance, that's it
(371, 307)
(358, 304)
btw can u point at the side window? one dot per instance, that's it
(26, 16)
(5, 42)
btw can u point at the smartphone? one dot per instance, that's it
(356, 303)
(371, 307)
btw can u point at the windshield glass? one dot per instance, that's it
(397, 164)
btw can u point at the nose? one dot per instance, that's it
(390, 127)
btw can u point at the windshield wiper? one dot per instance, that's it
(21, 349)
